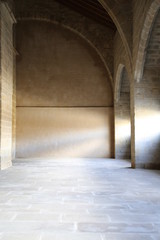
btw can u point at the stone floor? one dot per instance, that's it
(79, 199)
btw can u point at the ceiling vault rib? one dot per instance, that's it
(92, 9)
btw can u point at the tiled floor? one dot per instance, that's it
(79, 199)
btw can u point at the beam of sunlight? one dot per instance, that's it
(147, 125)
(75, 132)
(123, 129)
(71, 144)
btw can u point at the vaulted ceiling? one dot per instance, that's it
(90, 8)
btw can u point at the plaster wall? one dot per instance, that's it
(64, 96)
(64, 132)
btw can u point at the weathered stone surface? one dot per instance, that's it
(6, 84)
(123, 118)
(100, 36)
(147, 104)
(79, 199)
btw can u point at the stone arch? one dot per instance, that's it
(122, 114)
(118, 18)
(118, 82)
(47, 19)
(145, 35)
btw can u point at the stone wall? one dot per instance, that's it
(140, 11)
(120, 57)
(122, 15)
(147, 104)
(6, 76)
(143, 95)
(130, 46)
(122, 76)
(14, 108)
(122, 119)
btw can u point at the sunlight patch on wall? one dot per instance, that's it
(123, 129)
(147, 125)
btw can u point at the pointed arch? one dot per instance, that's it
(119, 19)
(145, 35)
(118, 82)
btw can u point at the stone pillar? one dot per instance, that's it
(14, 110)
(132, 111)
(6, 84)
(147, 105)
